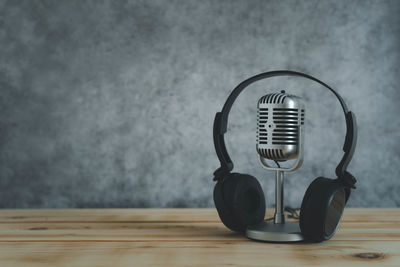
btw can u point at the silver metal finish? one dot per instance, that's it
(279, 138)
(279, 118)
(271, 232)
(298, 162)
(279, 216)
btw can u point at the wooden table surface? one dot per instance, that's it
(183, 237)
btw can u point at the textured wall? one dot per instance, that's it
(111, 103)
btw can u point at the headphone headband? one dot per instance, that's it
(221, 122)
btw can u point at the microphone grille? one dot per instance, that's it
(286, 130)
(271, 153)
(278, 120)
(275, 98)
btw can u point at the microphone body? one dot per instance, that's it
(280, 118)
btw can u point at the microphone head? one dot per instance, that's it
(279, 118)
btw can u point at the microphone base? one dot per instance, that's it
(268, 231)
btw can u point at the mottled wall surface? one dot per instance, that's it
(111, 103)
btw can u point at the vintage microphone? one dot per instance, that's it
(280, 137)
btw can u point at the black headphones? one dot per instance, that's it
(240, 200)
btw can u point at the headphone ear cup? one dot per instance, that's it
(240, 201)
(223, 210)
(322, 208)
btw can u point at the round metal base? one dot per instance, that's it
(268, 231)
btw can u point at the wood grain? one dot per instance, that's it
(183, 237)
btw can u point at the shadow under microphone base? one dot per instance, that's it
(269, 231)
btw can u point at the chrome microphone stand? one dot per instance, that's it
(278, 230)
(279, 216)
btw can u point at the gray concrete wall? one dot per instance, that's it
(111, 103)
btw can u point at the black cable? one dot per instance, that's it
(292, 213)
(277, 163)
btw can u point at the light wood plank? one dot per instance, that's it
(169, 231)
(109, 215)
(208, 253)
(164, 215)
(183, 237)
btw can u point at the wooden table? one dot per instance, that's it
(183, 237)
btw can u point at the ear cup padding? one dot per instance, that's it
(322, 208)
(240, 201)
